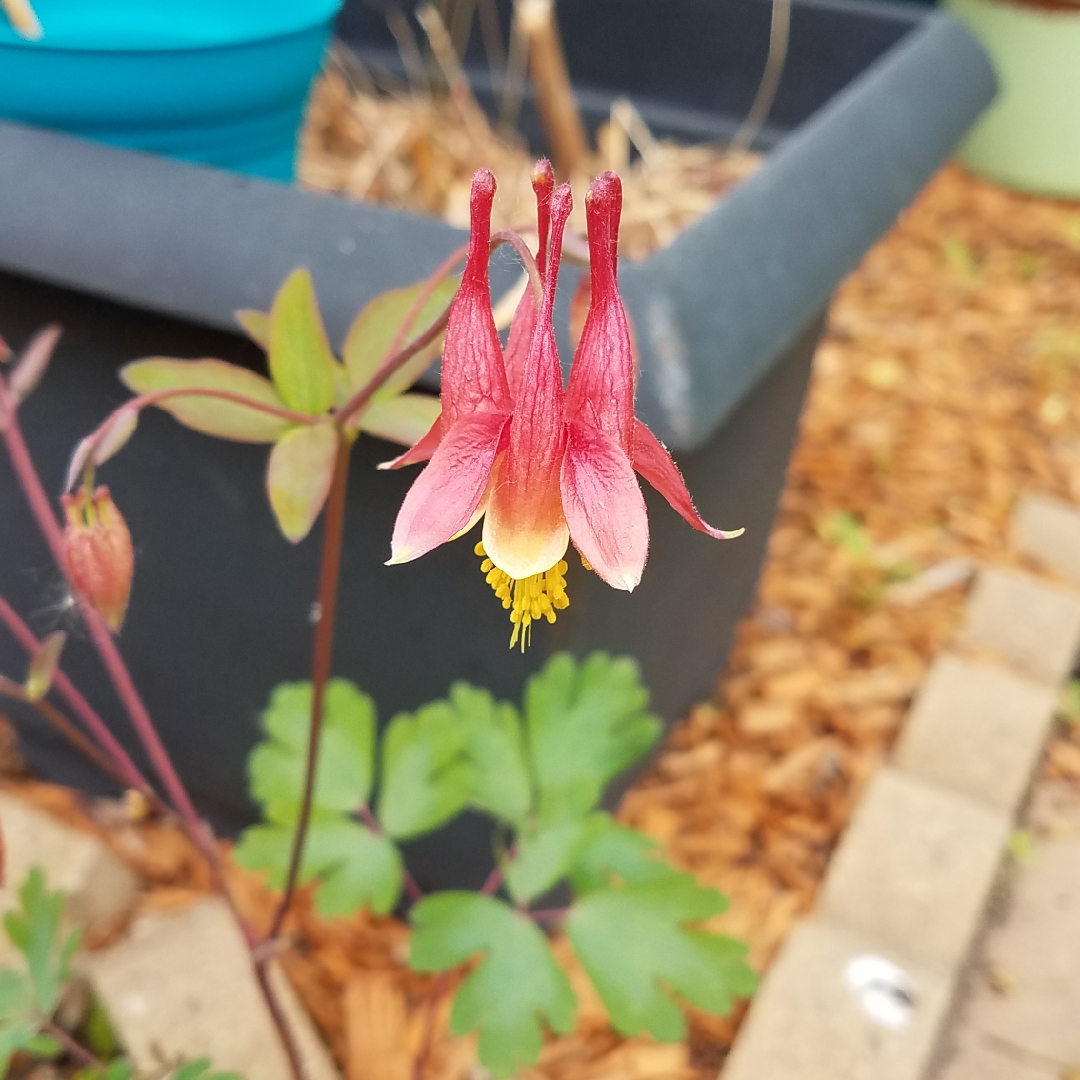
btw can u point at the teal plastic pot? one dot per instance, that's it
(221, 82)
(1030, 137)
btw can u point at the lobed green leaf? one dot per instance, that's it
(617, 855)
(212, 416)
(495, 748)
(345, 772)
(301, 361)
(547, 855)
(636, 947)
(34, 929)
(374, 329)
(586, 723)
(515, 987)
(355, 867)
(426, 774)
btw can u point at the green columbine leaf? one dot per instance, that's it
(200, 1070)
(115, 1070)
(346, 753)
(616, 855)
(406, 419)
(426, 774)
(496, 750)
(546, 855)
(515, 987)
(14, 1037)
(34, 929)
(302, 364)
(635, 945)
(212, 416)
(299, 474)
(256, 324)
(586, 722)
(355, 867)
(374, 329)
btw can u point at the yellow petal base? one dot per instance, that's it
(527, 599)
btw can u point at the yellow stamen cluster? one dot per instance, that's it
(527, 599)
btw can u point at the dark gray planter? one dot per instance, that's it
(137, 255)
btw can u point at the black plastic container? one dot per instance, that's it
(139, 256)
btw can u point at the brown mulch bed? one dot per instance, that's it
(947, 384)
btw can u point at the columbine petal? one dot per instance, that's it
(652, 460)
(444, 497)
(604, 506)
(472, 374)
(524, 529)
(601, 388)
(521, 329)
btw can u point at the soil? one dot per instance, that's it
(947, 383)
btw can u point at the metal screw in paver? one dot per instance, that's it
(807, 1024)
(861, 990)
(100, 888)
(180, 986)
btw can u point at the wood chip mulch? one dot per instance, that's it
(947, 384)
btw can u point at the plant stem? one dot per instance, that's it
(129, 696)
(52, 715)
(396, 355)
(494, 880)
(74, 1049)
(79, 705)
(322, 655)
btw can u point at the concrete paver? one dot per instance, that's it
(915, 867)
(806, 1024)
(978, 729)
(1025, 621)
(1024, 1000)
(180, 986)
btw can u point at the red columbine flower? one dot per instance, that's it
(100, 559)
(543, 465)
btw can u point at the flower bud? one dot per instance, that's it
(100, 558)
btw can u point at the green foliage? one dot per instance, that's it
(302, 364)
(375, 328)
(193, 1070)
(28, 999)
(547, 854)
(541, 774)
(212, 416)
(516, 984)
(426, 775)
(305, 377)
(356, 867)
(586, 723)
(299, 475)
(34, 929)
(634, 943)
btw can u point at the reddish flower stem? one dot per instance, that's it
(322, 656)
(82, 708)
(76, 1051)
(193, 826)
(53, 716)
(396, 355)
